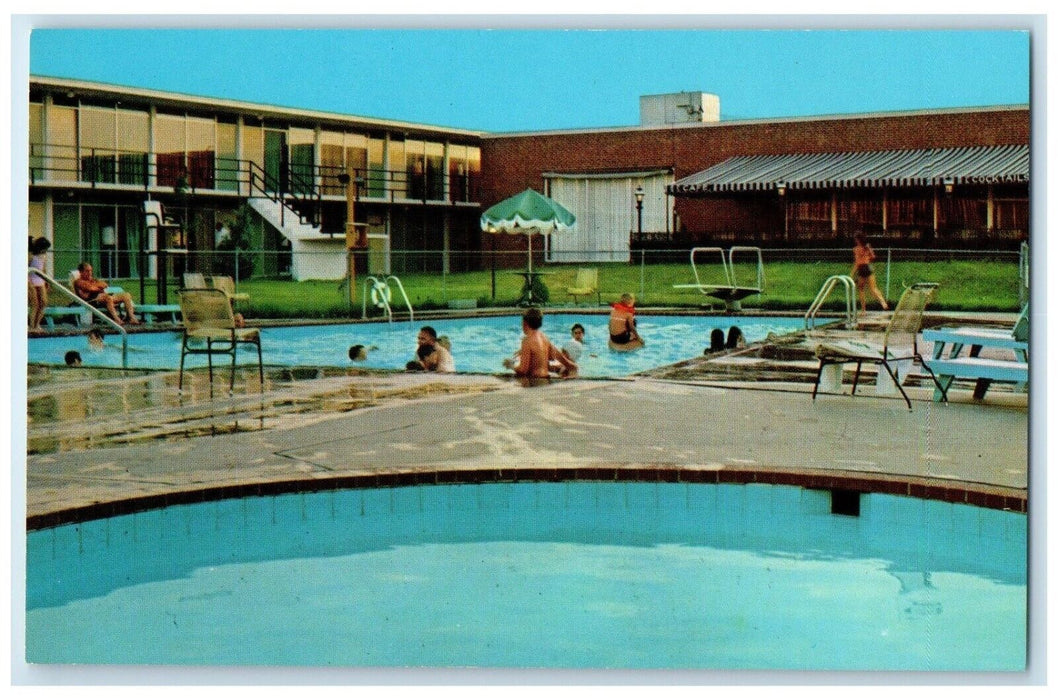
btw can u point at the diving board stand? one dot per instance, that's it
(727, 290)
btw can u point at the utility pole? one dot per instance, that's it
(355, 233)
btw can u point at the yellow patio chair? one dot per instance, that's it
(227, 285)
(208, 319)
(195, 280)
(585, 284)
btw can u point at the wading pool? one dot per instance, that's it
(570, 574)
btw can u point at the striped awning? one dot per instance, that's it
(900, 168)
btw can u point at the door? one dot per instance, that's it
(606, 212)
(275, 160)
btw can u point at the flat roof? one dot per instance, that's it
(262, 111)
(764, 120)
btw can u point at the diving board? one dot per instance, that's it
(728, 290)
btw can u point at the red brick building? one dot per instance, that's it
(980, 200)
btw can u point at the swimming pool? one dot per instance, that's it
(572, 574)
(479, 344)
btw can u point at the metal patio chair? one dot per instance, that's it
(899, 343)
(208, 319)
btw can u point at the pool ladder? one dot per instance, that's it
(824, 292)
(381, 295)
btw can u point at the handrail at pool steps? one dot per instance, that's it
(381, 295)
(824, 292)
(94, 311)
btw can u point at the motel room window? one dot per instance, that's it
(302, 148)
(376, 175)
(457, 173)
(962, 212)
(860, 212)
(98, 144)
(201, 151)
(61, 127)
(227, 168)
(356, 155)
(415, 169)
(435, 159)
(474, 170)
(36, 143)
(909, 214)
(332, 162)
(253, 144)
(133, 141)
(809, 215)
(170, 141)
(398, 184)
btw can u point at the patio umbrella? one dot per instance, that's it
(527, 213)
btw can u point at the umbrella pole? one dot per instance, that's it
(529, 279)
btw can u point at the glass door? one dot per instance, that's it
(275, 160)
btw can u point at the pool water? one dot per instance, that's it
(478, 344)
(561, 575)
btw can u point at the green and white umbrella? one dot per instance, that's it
(527, 213)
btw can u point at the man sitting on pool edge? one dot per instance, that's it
(537, 353)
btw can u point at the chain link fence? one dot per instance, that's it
(282, 283)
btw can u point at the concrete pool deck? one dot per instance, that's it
(405, 428)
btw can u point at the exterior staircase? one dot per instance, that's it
(314, 255)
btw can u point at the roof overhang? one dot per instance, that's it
(865, 169)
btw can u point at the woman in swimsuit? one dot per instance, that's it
(862, 257)
(623, 334)
(38, 286)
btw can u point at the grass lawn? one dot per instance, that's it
(789, 286)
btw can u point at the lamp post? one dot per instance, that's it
(639, 210)
(780, 188)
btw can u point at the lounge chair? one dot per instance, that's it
(195, 280)
(208, 319)
(972, 366)
(900, 342)
(585, 284)
(227, 285)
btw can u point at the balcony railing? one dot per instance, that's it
(205, 170)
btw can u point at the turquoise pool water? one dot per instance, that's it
(478, 344)
(561, 575)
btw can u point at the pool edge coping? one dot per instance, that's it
(928, 488)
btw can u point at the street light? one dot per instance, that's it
(639, 208)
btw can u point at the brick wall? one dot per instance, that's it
(512, 163)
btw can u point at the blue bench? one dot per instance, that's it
(157, 313)
(52, 313)
(972, 366)
(979, 368)
(79, 316)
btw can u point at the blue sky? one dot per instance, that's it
(523, 79)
